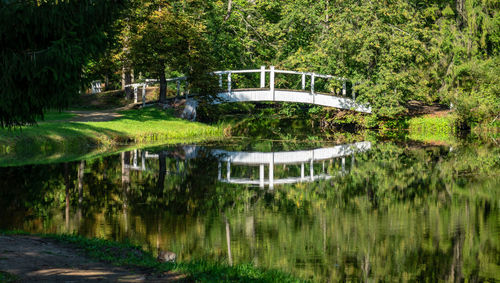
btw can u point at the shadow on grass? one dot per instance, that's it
(53, 140)
(62, 141)
(148, 115)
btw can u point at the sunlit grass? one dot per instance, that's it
(139, 127)
(135, 125)
(432, 129)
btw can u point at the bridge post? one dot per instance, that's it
(143, 95)
(187, 90)
(219, 173)
(229, 82)
(262, 76)
(228, 174)
(134, 160)
(302, 171)
(303, 81)
(261, 175)
(135, 94)
(312, 86)
(311, 169)
(143, 161)
(220, 81)
(178, 87)
(271, 174)
(344, 88)
(271, 82)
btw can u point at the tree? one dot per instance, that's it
(170, 36)
(45, 45)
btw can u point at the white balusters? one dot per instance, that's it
(302, 171)
(262, 76)
(312, 86)
(271, 173)
(261, 175)
(311, 169)
(143, 95)
(271, 82)
(219, 173)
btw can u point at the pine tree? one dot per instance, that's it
(45, 45)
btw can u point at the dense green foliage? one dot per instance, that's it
(169, 36)
(393, 51)
(397, 51)
(45, 45)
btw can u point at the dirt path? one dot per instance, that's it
(99, 115)
(417, 108)
(94, 116)
(34, 259)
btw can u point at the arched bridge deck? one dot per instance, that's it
(297, 96)
(269, 92)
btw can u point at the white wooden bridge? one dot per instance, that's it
(268, 91)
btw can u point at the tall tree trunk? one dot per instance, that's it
(125, 158)
(67, 185)
(127, 78)
(229, 10)
(81, 170)
(228, 241)
(163, 87)
(163, 171)
(460, 6)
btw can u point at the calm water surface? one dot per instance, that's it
(362, 210)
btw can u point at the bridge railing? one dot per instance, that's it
(143, 86)
(263, 79)
(272, 71)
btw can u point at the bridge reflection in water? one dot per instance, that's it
(263, 160)
(302, 157)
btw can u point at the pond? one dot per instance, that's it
(366, 209)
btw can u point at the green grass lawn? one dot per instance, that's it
(432, 129)
(149, 126)
(56, 116)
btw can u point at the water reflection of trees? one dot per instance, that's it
(400, 214)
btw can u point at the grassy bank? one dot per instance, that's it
(442, 129)
(53, 138)
(134, 258)
(432, 129)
